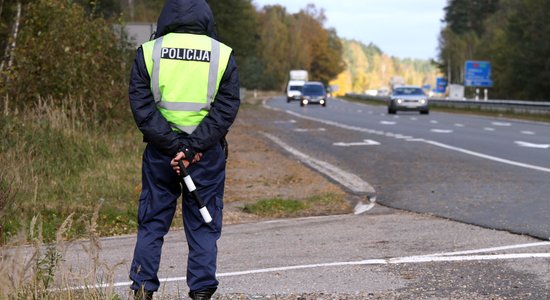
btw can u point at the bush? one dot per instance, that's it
(64, 52)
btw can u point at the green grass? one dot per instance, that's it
(316, 205)
(275, 207)
(54, 166)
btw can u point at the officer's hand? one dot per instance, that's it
(179, 156)
(174, 163)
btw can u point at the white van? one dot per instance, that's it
(294, 90)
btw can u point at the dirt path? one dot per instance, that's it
(256, 170)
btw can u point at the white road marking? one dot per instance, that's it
(349, 180)
(404, 137)
(492, 249)
(528, 132)
(434, 121)
(363, 143)
(441, 130)
(309, 130)
(459, 125)
(414, 118)
(488, 129)
(489, 157)
(505, 124)
(531, 145)
(457, 256)
(448, 147)
(361, 208)
(388, 122)
(284, 122)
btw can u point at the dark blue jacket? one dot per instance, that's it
(189, 16)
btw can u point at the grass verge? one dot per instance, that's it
(55, 165)
(326, 204)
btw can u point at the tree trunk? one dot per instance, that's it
(10, 47)
(131, 8)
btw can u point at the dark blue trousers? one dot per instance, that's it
(161, 188)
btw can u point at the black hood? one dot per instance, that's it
(191, 16)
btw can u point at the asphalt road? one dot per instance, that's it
(478, 170)
(383, 254)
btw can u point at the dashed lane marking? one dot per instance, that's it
(504, 124)
(532, 145)
(309, 129)
(284, 122)
(528, 132)
(441, 130)
(363, 143)
(434, 143)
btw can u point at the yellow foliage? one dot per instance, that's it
(367, 68)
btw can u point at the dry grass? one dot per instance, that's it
(33, 269)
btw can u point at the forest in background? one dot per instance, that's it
(268, 42)
(514, 35)
(368, 68)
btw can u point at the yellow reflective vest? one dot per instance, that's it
(185, 71)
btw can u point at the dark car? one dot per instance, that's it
(408, 98)
(313, 92)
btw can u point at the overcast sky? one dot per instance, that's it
(402, 28)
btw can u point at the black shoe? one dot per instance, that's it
(143, 295)
(202, 294)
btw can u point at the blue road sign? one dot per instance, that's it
(477, 73)
(441, 85)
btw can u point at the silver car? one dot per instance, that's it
(408, 98)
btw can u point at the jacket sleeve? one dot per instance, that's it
(149, 120)
(221, 115)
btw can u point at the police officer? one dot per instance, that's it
(184, 95)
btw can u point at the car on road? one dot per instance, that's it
(313, 92)
(294, 90)
(408, 97)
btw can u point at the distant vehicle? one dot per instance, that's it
(301, 75)
(294, 86)
(314, 92)
(294, 90)
(408, 97)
